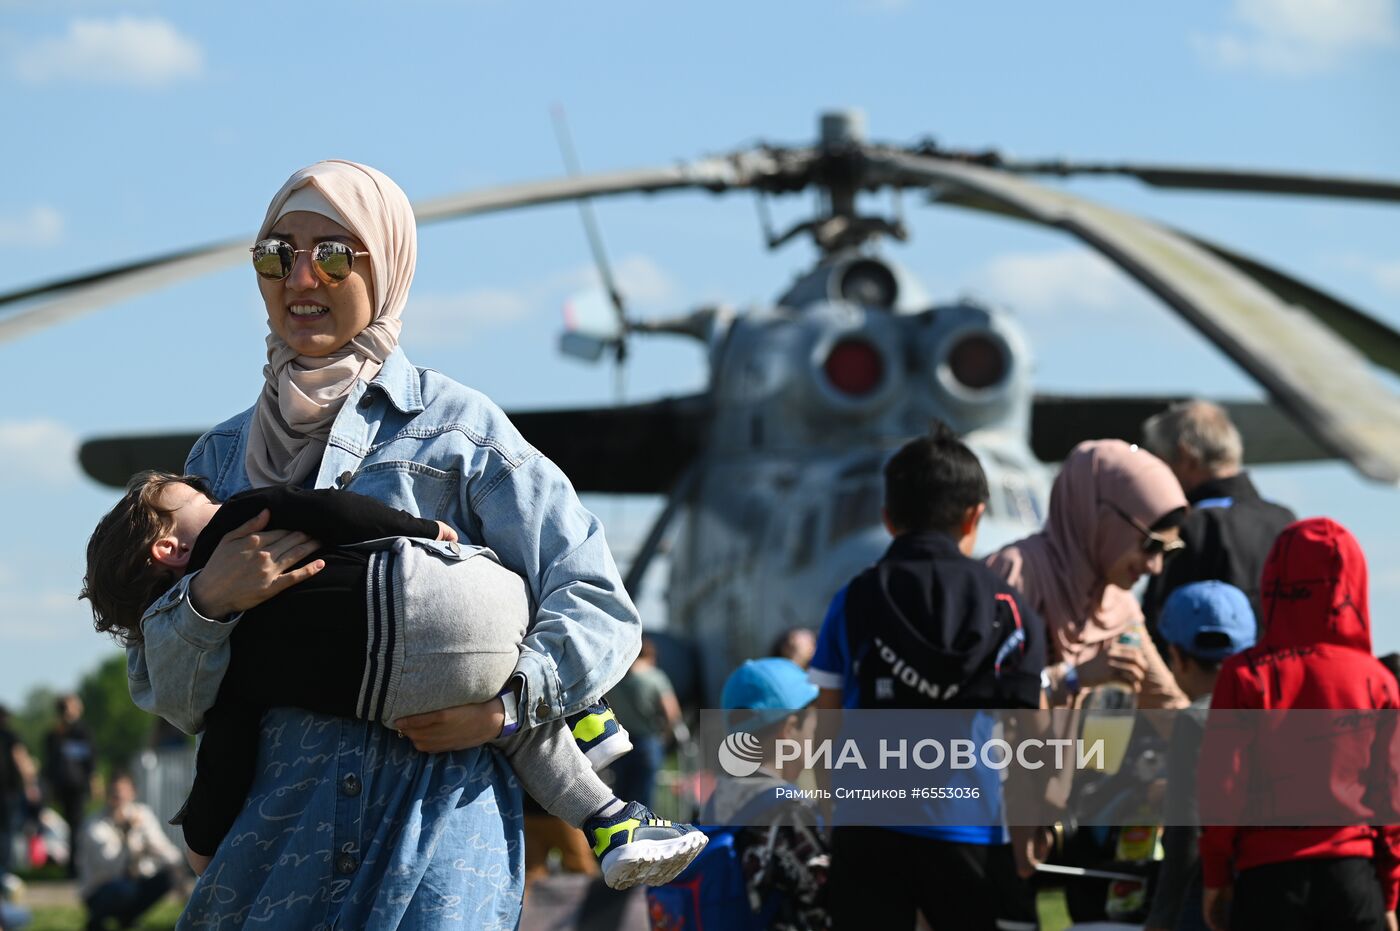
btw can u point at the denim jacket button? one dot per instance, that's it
(346, 863)
(345, 478)
(366, 400)
(542, 709)
(350, 785)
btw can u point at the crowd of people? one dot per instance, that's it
(370, 538)
(121, 860)
(1245, 608)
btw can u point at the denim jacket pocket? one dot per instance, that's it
(427, 491)
(449, 550)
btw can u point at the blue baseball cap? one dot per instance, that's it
(1211, 620)
(773, 684)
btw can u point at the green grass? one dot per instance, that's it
(74, 918)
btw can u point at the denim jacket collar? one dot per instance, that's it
(398, 381)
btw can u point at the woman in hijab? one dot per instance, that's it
(349, 823)
(1114, 515)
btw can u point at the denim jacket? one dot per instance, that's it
(416, 440)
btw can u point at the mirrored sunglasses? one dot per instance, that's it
(273, 259)
(1152, 543)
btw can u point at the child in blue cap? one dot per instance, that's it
(781, 849)
(1202, 623)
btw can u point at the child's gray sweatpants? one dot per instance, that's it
(446, 632)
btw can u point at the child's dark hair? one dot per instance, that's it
(932, 481)
(123, 578)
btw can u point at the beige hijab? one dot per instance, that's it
(1061, 569)
(302, 395)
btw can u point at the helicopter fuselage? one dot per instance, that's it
(809, 398)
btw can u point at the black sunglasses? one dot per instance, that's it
(1152, 543)
(273, 259)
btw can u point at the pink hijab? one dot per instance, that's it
(302, 395)
(1061, 569)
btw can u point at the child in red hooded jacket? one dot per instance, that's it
(1313, 652)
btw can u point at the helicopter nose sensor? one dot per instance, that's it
(854, 367)
(977, 361)
(868, 283)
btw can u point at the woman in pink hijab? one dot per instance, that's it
(348, 823)
(1114, 511)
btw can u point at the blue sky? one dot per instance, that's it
(136, 127)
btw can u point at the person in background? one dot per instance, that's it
(69, 763)
(1114, 517)
(797, 644)
(1202, 624)
(19, 790)
(1391, 661)
(781, 850)
(1230, 528)
(1314, 652)
(645, 704)
(942, 619)
(125, 862)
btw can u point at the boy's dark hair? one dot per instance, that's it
(932, 481)
(123, 578)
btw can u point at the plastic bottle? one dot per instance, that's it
(1108, 714)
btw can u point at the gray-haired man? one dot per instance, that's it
(1230, 527)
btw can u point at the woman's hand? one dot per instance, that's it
(249, 566)
(446, 533)
(458, 728)
(1029, 848)
(1118, 662)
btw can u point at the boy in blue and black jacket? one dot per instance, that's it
(929, 627)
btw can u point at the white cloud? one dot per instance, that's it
(453, 318)
(39, 452)
(41, 225)
(1062, 281)
(1297, 37)
(643, 282)
(140, 52)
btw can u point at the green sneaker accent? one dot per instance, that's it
(607, 834)
(590, 727)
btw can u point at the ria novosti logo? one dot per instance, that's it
(740, 754)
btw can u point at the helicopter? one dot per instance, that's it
(771, 475)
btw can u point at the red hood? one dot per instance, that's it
(1314, 588)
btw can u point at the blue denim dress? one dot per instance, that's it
(346, 825)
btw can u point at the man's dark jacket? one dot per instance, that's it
(1228, 533)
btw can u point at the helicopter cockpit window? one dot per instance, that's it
(1019, 501)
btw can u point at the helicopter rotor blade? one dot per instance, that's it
(1373, 338)
(1320, 380)
(1184, 177)
(1060, 422)
(638, 449)
(591, 231)
(34, 307)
